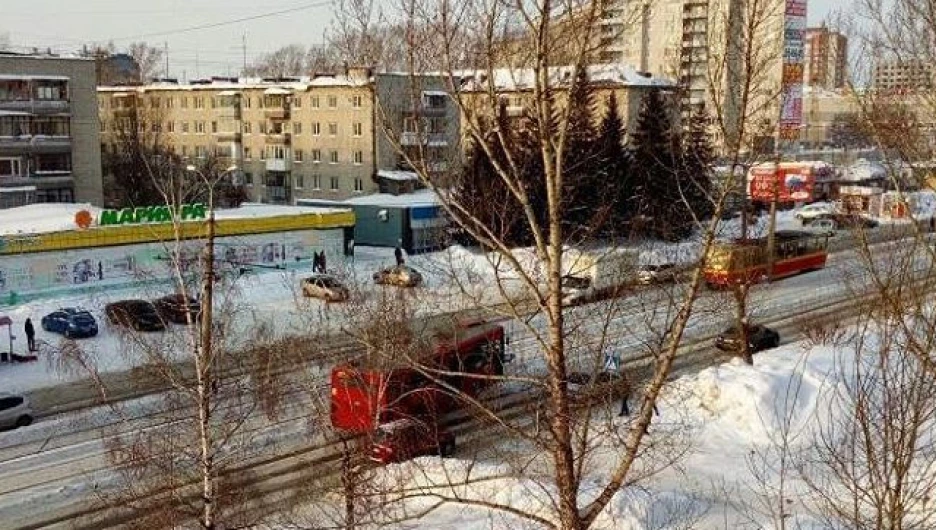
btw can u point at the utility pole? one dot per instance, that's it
(166, 53)
(244, 48)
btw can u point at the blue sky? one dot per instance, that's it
(64, 25)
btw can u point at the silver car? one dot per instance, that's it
(14, 411)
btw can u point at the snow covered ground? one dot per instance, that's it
(728, 419)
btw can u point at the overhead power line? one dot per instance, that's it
(226, 22)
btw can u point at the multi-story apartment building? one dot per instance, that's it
(321, 137)
(906, 75)
(689, 40)
(826, 57)
(49, 145)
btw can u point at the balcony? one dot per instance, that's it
(38, 144)
(229, 113)
(278, 138)
(229, 136)
(36, 106)
(430, 139)
(276, 113)
(278, 164)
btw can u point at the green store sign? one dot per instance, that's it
(152, 214)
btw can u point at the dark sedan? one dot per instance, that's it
(176, 308)
(759, 338)
(71, 322)
(138, 315)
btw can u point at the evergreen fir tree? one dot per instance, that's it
(656, 159)
(612, 168)
(698, 158)
(581, 184)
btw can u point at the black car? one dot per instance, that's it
(71, 322)
(848, 220)
(138, 315)
(759, 338)
(175, 308)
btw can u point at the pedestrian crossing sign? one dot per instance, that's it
(612, 362)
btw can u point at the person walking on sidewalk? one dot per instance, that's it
(30, 335)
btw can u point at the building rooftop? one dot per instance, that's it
(522, 78)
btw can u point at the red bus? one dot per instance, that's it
(368, 392)
(740, 262)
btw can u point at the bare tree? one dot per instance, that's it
(288, 61)
(148, 58)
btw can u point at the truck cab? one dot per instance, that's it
(402, 440)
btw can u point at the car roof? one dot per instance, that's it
(8, 394)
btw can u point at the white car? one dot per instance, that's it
(815, 211)
(824, 227)
(14, 411)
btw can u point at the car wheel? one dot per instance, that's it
(24, 420)
(775, 342)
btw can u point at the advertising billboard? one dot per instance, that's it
(791, 85)
(790, 183)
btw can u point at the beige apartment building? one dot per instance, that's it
(908, 75)
(687, 40)
(49, 145)
(320, 137)
(826, 57)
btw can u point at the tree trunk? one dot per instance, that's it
(204, 372)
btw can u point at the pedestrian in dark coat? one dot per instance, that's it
(398, 253)
(30, 335)
(322, 265)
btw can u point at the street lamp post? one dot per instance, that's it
(204, 360)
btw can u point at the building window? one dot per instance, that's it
(316, 182)
(315, 102)
(297, 128)
(316, 129)
(297, 103)
(198, 102)
(358, 184)
(248, 178)
(214, 127)
(297, 155)
(247, 154)
(357, 129)
(261, 126)
(170, 126)
(199, 127)
(300, 181)
(316, 156)
(185, 103)
(334, 183)
(169, 101)
(358, 157)
(246, 102)
(10, 167)
(155, 103)
(184, 151)
(103, 126)
(200, 151)
(357, 102)
(333, 129)
(333, 157)
(263, 154)
(247, 127)
(332, 102)
(184, 127)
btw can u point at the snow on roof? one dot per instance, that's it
(864, 170)
(277, 91)
(397, 175)
(228, 93)
(417, 198)
(33, 77)
(14, 113)
(56, 217)
(523, 78)
(17, 189)
(270, 87)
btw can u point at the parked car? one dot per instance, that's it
(403, 440)
(398, 275)
(138, 315)
(176, 307)
(651, 274)
(822, 226)
(14, 411)
(759, 338)
(325, 287)
(854, 221)
(72, 322)
(815, 211)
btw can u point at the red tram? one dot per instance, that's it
(747, 261)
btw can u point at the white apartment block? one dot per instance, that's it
(321, 137)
